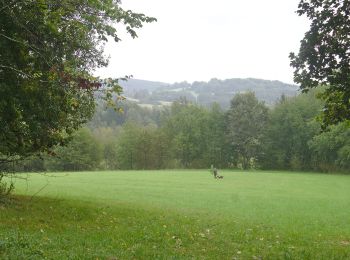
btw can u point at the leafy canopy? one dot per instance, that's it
(48, 51)
(246, 121)
(324, 55)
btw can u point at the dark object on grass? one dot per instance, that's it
(215, 173)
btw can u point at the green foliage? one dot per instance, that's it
(246, 120)
(186, 127)
(291, 126)
(127, 146)
(83, 152)
(34, 163)
(217, 150)
(186, 135)
(48, 53)
(107, 138)
(331, 148)
(344, 157)
(324, 56)
(142, 148)
(130, 112)
(110, 156)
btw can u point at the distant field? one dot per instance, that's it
(178, 214)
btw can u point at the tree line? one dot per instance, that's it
(249, 135)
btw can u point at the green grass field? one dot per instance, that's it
(178, 215)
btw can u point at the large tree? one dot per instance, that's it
(48, 51)
(324, 55)
(291, 125)
(216, 152)
(186, 127)
(246, 121)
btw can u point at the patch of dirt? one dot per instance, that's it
(345, 243)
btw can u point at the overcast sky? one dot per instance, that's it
(196, 40)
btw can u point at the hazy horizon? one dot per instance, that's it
(200, 40)
(223, 79)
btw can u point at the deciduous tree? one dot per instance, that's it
(324, 56)
(48, 51)
(290, 127)
(186, 128)
(246, 120)
(331, 148)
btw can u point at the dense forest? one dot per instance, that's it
(250, 134)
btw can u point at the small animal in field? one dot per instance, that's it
(214, 171)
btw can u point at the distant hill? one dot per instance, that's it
(134, 85)
(148, 93)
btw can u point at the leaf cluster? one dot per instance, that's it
(324, 56)
(48, 51)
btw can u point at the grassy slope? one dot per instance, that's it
(179, 214)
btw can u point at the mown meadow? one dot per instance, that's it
(177, 214)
